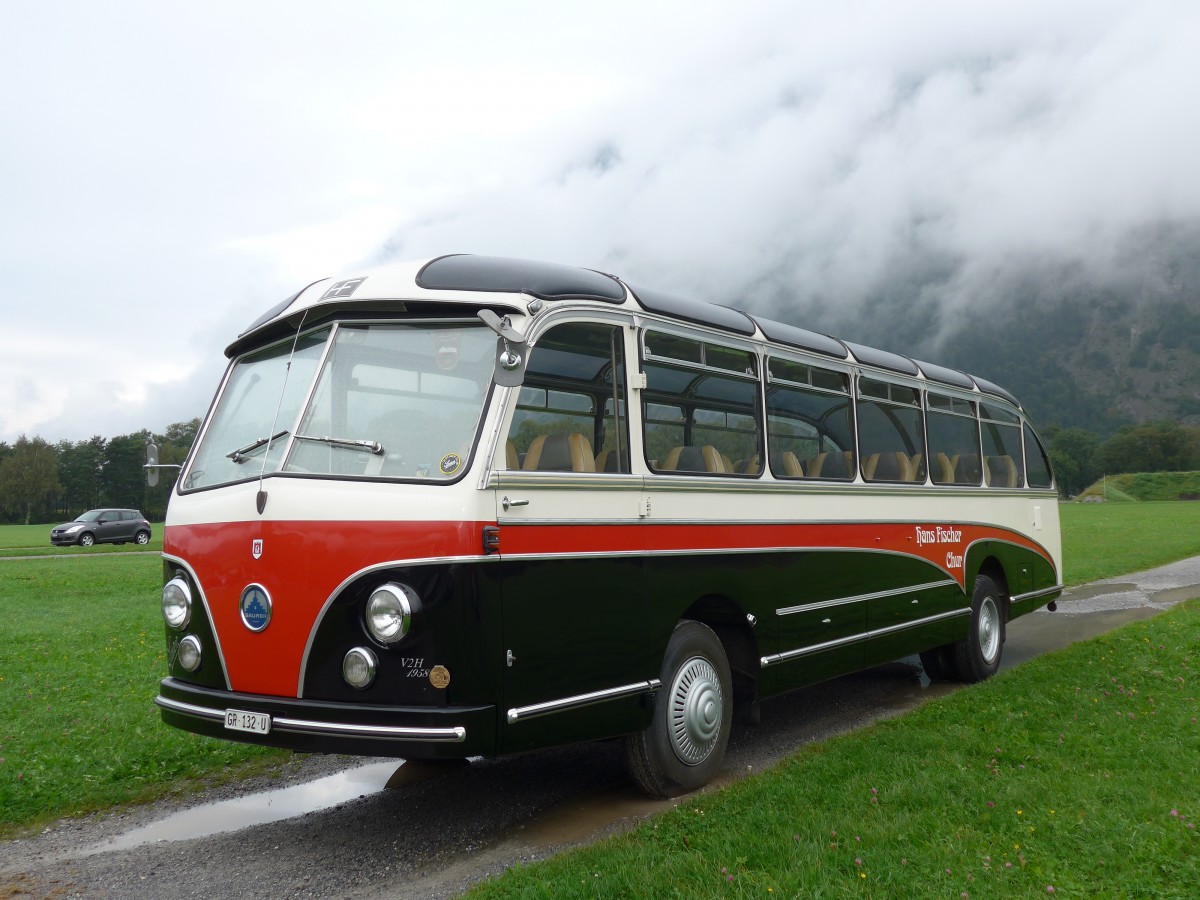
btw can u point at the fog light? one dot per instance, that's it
(389, 612)
(358, 668)
(177, 603)
(189, 653)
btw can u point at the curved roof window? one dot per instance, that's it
(550, 281)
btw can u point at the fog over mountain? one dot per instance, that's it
(933, 179)
(898, 174)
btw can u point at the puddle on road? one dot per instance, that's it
(273, 806)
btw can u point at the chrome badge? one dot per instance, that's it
(256, 607)
(256, 548)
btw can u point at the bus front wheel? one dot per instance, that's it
(977, 656)
(683, 746)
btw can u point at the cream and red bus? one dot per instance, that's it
(474, 506)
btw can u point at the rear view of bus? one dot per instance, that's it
(475, 506)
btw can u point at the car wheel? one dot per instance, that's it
(143, 537)
(86, 539)
(977, 656)
(683, 746)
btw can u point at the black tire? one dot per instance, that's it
(86, 539)
(684, 745)
(977, 656)
(142, 537)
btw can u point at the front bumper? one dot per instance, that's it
(315, 726)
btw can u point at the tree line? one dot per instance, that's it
(1081, 457)
(42, 482)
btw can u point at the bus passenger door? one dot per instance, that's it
(571, 571)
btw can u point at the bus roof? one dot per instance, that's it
(462, 277)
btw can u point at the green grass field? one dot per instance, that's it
(1102, 540)
(82, 653)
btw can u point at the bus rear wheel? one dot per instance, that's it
(683, 746)
(977, 656)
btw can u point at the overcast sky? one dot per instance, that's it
(170, 171)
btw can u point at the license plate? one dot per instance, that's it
(240, 720)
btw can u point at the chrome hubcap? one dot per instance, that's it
(989, 630)
(696, 705)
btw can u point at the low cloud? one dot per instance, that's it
(958, 155)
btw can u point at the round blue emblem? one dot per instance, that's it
(256, 607)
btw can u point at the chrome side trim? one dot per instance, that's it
(789, 655)
(877, 595)
(190, 709)
(1034, 595)
(454, 735)
(579, 701)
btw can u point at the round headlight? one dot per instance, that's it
(189, 653)
(390, 611)
(358, 668)
(177, 603)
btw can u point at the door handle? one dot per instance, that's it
(507, 504)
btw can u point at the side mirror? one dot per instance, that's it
(510, 349)
(152, 464)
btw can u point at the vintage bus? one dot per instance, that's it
(474, 506)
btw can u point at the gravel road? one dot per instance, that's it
(440, 829)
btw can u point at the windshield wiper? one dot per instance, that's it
(373, 447)
(243, 453)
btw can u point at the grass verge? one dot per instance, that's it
(1076, 774)
(80, 660)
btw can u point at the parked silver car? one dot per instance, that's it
(103, 526)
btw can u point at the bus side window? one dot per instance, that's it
(891, 435)
(953, 433)
(570, 417)
(810, 431)
(1003, 462)
(700, 407)
(1037, 464)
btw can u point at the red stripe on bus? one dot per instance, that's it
(935, 543)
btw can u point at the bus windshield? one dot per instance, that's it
(372, 400)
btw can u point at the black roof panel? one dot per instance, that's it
(782, 333)
(550, 281)
(695, 311)
(988, 388)
(951, 377)
(883, 359)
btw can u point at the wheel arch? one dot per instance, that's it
(986, 559)
(734, 629)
